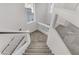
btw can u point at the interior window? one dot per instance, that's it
(29, 12)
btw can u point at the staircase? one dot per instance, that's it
(38, 45)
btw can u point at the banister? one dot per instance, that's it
(22, 48)
(14, 32)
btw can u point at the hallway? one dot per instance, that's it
(38, 44)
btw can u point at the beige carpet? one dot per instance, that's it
(38, 45)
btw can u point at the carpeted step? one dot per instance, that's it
(38, 54)
(38, 45)
(38, 51)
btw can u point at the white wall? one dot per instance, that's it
(11, 15)
(59, 5)
(32, 26)
(42, 12)
(77, 7)
(69, 6)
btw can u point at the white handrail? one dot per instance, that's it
(14, 32)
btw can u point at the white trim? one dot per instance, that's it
(43, 24)
(42, 30)
(30, 22)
